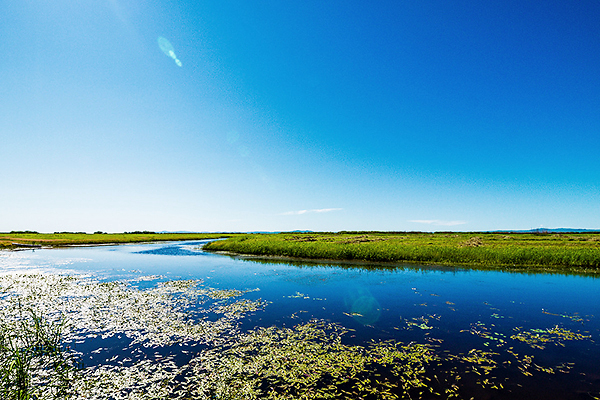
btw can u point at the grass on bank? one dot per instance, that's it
(579, 252)
(57, 239)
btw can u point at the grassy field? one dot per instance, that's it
(565, 251)
(577, 252)
(14, 239)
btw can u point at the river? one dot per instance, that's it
(504, 335)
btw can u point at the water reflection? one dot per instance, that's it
(172, 251)
(529, 329)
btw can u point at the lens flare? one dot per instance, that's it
(167, 48)
(363, 306)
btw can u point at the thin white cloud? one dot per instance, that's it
(320, 210)
(438, 222)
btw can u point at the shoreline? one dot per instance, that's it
(530, 253)
(391, 265)
(566, 254)
(26, 241)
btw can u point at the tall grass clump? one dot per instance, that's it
(487, 250)
(34, 362)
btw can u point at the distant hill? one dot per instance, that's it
(549, 230)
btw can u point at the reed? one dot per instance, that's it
(580, 252)
(34, 362)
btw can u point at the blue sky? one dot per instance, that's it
(282, 115)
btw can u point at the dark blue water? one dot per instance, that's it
(406, 303)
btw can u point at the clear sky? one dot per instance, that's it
(121, 115)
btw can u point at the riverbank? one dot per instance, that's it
(558, 252)
(15, 240)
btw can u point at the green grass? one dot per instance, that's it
(567, 252)
(34, 363)
(580, 252)
(8, 240)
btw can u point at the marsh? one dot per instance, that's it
(170, 320)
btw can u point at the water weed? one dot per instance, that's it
(182, 340)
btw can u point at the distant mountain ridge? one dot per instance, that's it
(549, 230)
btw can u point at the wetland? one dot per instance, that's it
(171, 320)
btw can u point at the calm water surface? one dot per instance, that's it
(447, 306)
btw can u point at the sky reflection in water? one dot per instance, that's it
(463, 309)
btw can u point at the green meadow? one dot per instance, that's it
(577, 252)
(564, 251)
(57, 239)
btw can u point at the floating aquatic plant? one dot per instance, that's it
(480, 329)
(539, 338)
(311, 360)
